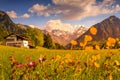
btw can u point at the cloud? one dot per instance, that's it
(32, 26)
(25, 15)
(12, 14)
(39, 9)
(58, 25)
(76, 9)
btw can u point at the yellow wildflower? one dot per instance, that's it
(82, 44)
(68, 60)
(73, 42)
(58, 57)
(68, 56)
(87, 38)
(98, 56)
(111, 40)
(94, 58)
(97, 47)
(88, 48)
(116, 62)
(93, 30)
(110, 76)
(96, 65)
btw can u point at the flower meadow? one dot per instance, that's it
(43, 64)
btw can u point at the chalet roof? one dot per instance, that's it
(17, 35)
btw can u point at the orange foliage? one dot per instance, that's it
(93, 30)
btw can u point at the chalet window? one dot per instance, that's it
(9, 39)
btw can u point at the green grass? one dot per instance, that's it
(52, 69)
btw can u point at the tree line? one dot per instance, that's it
(40, 39)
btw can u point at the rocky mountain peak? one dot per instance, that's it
(110, 27)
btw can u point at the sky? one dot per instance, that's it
(66, 13)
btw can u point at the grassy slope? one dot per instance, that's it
(21, 53)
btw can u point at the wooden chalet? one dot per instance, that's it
(17, 41)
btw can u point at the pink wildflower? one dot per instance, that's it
(40, 59)
(32, 64)
(15, 62)
(19, 65)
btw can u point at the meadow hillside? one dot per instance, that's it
(44, 64)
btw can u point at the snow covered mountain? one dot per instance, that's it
(64, 37)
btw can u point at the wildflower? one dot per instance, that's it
(15, 62)
(106, 66)
(86, 64)
(96, 65)
(110, 42)
(117, 39)
(27, 57)
(32, 64)
(61, 62)
(58, 57)
(94, 58)
(41, 59)
(97, 47)
(68, 60)
(116, 63)
(81, 44)
(118, 69)
(98, 56)
(88, 48)
(77, 68)
(88, 38)
(93, 30)
(72, 63)
(19, 65)
(73, 42)
(68, 56)
(110, 76)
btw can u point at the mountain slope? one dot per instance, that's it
(7, 26)
(109, 27)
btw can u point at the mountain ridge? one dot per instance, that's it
(64, 37)
(109, 27)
